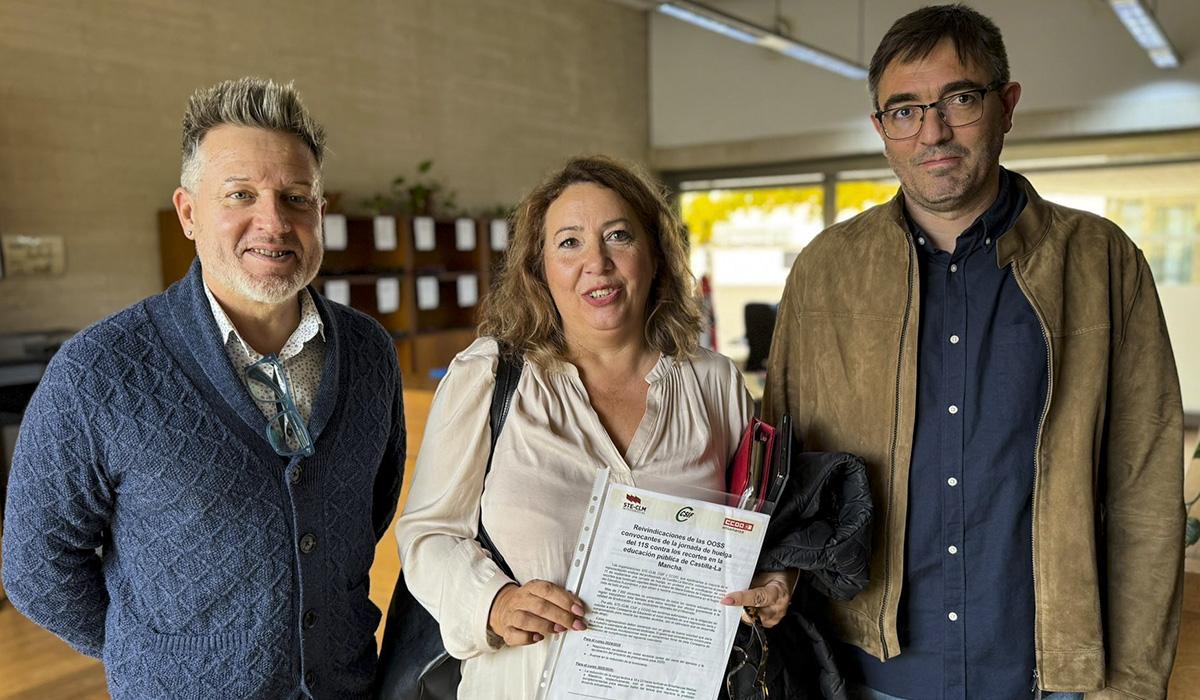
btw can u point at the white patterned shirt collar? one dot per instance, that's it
(310, 325)
(302, 356)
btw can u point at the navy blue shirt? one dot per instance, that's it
(966, 608)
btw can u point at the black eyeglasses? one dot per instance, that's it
(738, 681)
(959, 109)
(267, 381)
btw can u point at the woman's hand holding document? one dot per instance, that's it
(656, 571)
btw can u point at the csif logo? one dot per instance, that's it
(685, 514)
(633, 503)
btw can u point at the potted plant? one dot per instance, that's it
(420, 197)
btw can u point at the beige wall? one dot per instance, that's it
(497, 92)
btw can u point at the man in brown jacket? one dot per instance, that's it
(1003, 366)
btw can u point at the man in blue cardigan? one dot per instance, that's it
(201, 478)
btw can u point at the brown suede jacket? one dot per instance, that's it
(1108, 513)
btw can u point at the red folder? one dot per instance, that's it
(749, 474)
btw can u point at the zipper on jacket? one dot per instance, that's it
(887, 557)
(1037, 449)
(1034, 689)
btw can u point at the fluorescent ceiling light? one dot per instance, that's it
(706, 17)
(1146, 32)
(705, 23)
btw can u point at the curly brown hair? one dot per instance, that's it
(519, 311)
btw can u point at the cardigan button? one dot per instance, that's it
(308, 543)
(294, 477)
(310, 619)
(310, 678)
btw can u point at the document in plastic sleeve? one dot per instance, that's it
(652, 569)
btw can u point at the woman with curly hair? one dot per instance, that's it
(596, 295)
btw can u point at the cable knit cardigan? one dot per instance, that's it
(150, 523)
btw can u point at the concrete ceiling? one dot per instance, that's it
(1081, 73)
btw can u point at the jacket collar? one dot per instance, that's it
(1029, 231)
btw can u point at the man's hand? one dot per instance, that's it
(528, 614)
(770, 592)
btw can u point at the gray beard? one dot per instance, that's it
(274, 290)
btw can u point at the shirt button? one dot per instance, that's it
(987, 241)
(294, 477)
(953, 267)
(953, 616)
(921, 241)
(308, 543)
(310, 678)
(954, 340)
(953, 409)
(952, 481)
(310, 619)
(952, 549)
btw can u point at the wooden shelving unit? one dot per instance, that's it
(422, 278)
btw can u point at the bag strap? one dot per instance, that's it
(508, 372)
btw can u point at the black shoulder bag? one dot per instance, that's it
(413, 663)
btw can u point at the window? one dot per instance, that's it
(1158, 206)
(745, 240)
(857, 192)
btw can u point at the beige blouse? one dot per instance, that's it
(537, 491)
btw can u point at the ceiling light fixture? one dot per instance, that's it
(1146, 31)
(716, 21)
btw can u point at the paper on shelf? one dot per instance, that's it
(387, 295)
(468, 290)
(427, 293)
(499, 234)
(338, 291)
(423, 233)
(464, 234)
(652, 569)
(335, 232)
(385, 233)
